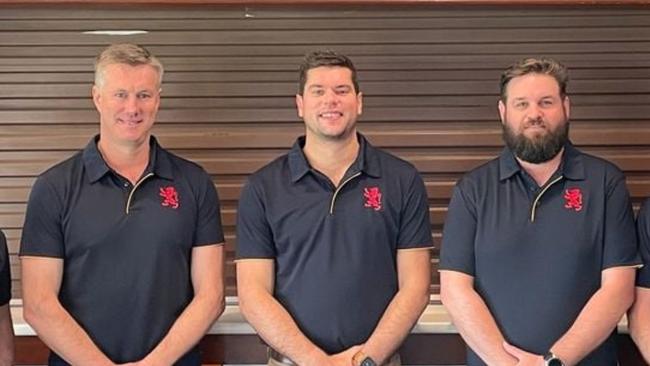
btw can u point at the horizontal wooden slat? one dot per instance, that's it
(394, 22)
(395, 135)
(287, 89)
(370, 102)
(316, 37)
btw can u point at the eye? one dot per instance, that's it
(144, 96)
(343, 91)
(521, 104)
(546, 103)
(317, 92)
(121, 95)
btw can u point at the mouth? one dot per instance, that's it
(330, 115)
(129, 122)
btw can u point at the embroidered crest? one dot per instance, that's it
(573, 199)
(373, 198)
(170, 197)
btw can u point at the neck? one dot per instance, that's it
(128, 161)
(542, 172)
(332, 158)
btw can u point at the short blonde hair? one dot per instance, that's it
(125, 53)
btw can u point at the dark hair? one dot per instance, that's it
(327, 58)
(545, 66)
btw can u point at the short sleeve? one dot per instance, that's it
(415, 224)
(457, 252)
(42, 230)
(254, 236)
(208, 229)
(643, 231)
(620, 244)
(5, 274)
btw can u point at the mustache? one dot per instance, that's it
(535, 122)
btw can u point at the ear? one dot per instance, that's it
(299, 105)
(359, 103)
(96, 97)
(502, 111)
(567, 107)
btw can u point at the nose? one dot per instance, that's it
(534, 113)
(331, 98)
(132, 106)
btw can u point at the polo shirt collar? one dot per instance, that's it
(367, 160)
(571, 167)
(159, 161)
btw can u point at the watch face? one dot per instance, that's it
(555, 362)
(368, 362)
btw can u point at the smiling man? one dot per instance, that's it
(333, 238)
(121, 248)
(539, 251)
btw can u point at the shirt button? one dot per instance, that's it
(126, 185)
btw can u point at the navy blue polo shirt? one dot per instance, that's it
(5, 274)
(334, 248)
(537, 253)
(126, 249)
(643, 231)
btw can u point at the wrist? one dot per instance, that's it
(551, 359)
(313, 357)
(362, 359)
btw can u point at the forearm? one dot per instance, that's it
(187, 330)
(396, 323)
(275, 325)
(6, 337)
(477, 327)
(594, 324)
(61, 333)
(639, 322)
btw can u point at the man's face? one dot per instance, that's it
(127, 102)
(329, 104)
(535, 118)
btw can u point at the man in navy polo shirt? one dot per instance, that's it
(539, 251)
(6, 326)
(333, 238)
(639, 314)
(121, 247)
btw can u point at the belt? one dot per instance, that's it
(279, 357)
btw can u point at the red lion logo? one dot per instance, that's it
(573, 197)
(373, 198)
(170, 197)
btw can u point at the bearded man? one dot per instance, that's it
(539, 249)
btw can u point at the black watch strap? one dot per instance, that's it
(368, 362)
(550, 359)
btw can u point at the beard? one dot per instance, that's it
(540, 148)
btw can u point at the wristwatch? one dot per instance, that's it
(551, 359)
(361, 359)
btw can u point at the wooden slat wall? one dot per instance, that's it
(429, 74)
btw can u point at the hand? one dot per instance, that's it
(524, 358)
(344, 358)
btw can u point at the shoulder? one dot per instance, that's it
(481, 176)
(63, 169)
(184, 167)
(61, 177)
(271, 173)
(597, 165)
(392, 168)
